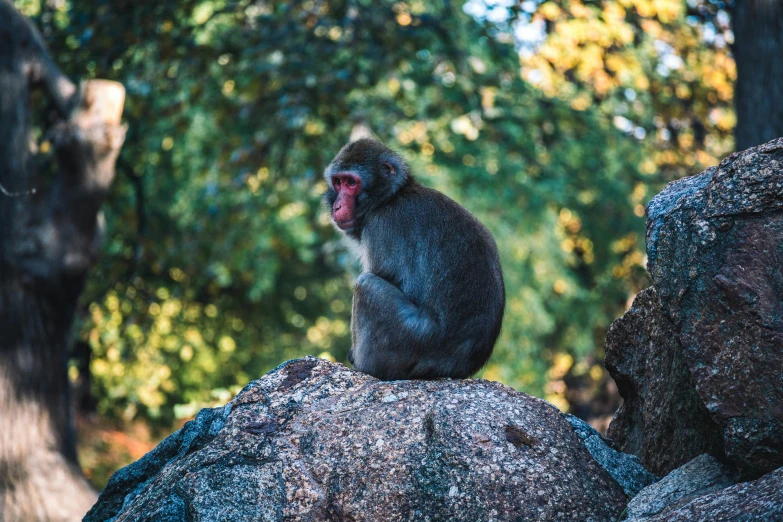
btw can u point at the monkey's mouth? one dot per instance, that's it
(345, 225)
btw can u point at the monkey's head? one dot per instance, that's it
(363, 175)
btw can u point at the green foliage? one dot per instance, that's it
(220, 263)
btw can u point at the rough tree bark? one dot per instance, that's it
(49, 238)
(758, 51)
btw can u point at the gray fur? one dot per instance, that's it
(430, 301)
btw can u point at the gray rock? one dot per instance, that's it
(702, 475)
(756, 501)
(662, 418)
(316, 441)
(627, 470)
(715, 251)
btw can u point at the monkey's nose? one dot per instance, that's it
(338, 207)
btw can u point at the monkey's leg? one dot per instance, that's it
(390, 333)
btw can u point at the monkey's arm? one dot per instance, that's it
(389, 331)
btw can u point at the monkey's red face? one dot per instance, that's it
(348, 186)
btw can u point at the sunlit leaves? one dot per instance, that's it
(220, 262)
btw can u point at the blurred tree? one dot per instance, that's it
(226, 264)
(758, 49)
(48, 240)
(660, 72)
(554, 122)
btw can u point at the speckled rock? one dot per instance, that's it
(756, 501)
(662, 419)
(715, 253)
(702, 475)
(627, 470)
(315, 441)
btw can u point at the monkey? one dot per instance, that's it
(430, 300)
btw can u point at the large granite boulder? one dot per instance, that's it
(701, 476)
(699, 357)
(756, 501)
(315, 441)
(662, 418)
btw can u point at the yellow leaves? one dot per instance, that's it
(682, 91)
(314, 128)
(193, 336)
(641, 82)
(492, 167)
(202, 12)
(580, 11)
(561, 363)
(478, 66)
(624, 244)
(668, 10)
(293, 210)
(322, 333)
(488, 95)
(652, 28)
(569, 221)
(394, 85)
(685, 139)
(613, 13)
(467, 125)
(404, 19)
(624, 34)
(417, 131)
(645, 8)
(705, 159)
(550, 10)
(639, 191)
(724, 119)
(227, 344)
(492, 372)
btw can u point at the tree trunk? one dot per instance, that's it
(48, 241)
(758, 51)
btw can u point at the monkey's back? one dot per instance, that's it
(446, 262)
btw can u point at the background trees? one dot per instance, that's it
(50, 230)
(554, 122)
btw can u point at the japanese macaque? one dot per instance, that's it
(430, 301)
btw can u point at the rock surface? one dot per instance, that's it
(316, 441)
(756, 501)
(625, 469)
(662, 418)
(698, 477)
(715, 253)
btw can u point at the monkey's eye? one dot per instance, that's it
(351, 182)
(336, 182)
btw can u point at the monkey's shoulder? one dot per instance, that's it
(425, 222)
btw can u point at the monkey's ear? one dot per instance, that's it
(389, 169)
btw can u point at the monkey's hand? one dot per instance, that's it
(389, 331)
